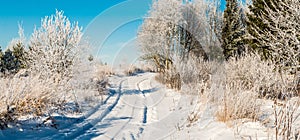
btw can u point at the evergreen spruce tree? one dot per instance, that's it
(1, 55)
(273, 30)
(256, 26)
(10, 64)
(233, 30)
(20, 55)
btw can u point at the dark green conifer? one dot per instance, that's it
(233, 30)
(20, 54)
(9, 63)
(256, 27)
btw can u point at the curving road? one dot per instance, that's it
(141, 108)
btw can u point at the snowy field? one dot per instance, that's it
(138, 107)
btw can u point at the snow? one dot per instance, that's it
(138, 107)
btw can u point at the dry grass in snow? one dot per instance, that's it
(235, 88)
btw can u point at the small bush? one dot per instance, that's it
(185, 73)
(141, 68)
(172, 79)
(133, 71)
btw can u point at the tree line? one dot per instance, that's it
(200, 29)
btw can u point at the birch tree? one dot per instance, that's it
(214, 29)
(156, 35)
(193, 30)
(175, 27)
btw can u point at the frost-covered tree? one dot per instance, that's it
(156, 35)
(233, 29)
(54, 47)
(182, 28)
(214, 29)
(192, 31)
(274, 30)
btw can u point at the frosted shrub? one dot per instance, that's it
(26, 96)
(238, 103)
(250, 71)
(247, 79)
(237, 97)
(171, 78)
(262, 76)
(191, 71)
(58, 54)
(54, 47)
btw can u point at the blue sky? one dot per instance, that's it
(30, 12)
(109, 25)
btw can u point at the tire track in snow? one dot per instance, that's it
(145, 106)
(89, 113)
(127, 122)
(96, 108)
(79, 129)
(135, 134)
(145, 110)
(150, 112)
(135, 125)
(135, 109)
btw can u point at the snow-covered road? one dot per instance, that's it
(138, 107)
(144, 110)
